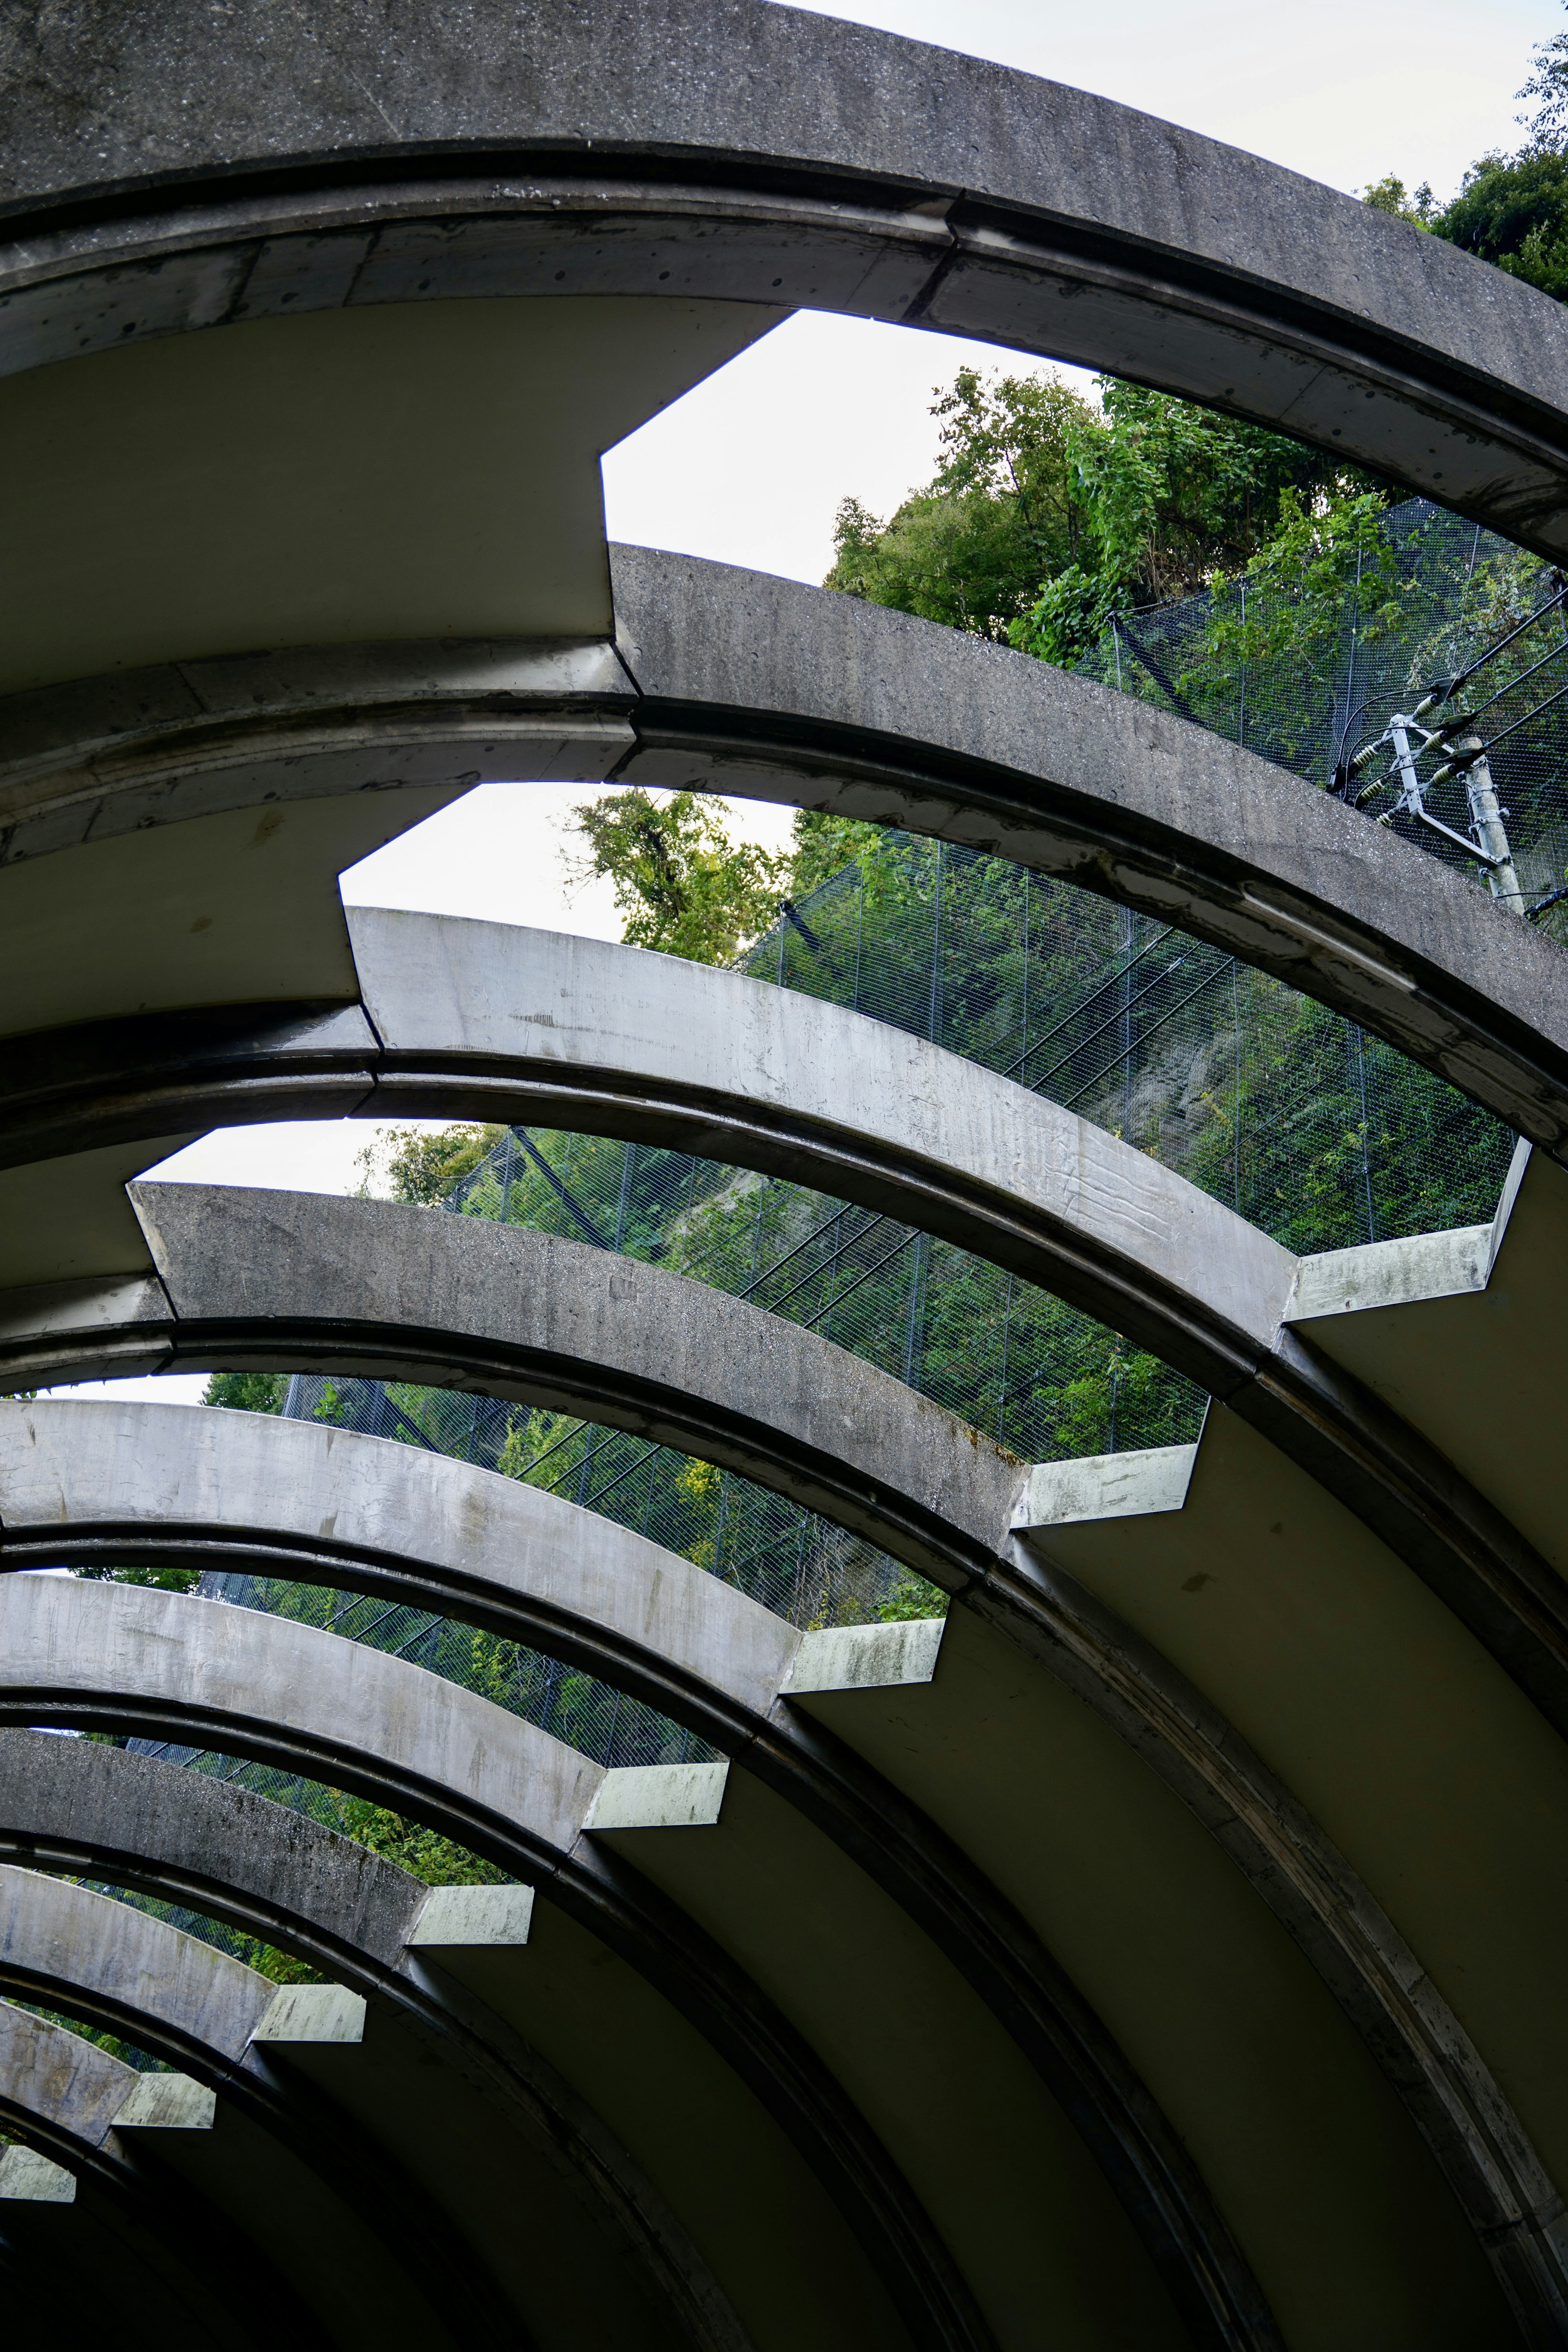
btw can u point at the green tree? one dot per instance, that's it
(419, 1168)
(999, 513)
(1512, 210)
(247, 1392)
(681, 884)
(1389, 195)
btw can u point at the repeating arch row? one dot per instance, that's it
(215, 1497)
(281, 1878)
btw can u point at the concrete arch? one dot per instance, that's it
(472, 1018)
(731, 681)
(91, 2114)
(286, 1694)
(180, 181)
(583, 1330)
(82, 1482)
(78, 1952)
(74, 1807)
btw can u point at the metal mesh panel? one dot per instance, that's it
(1302, 680)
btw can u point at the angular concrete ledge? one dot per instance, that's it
(813, 161)
(31, 2178)
(66, 2094)
(116, 1657)
(85, 1809)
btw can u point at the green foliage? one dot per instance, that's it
(1000, 512)
(681, 884)
(423, 1853)
(825, 845)
(411, 1165)
(1046, 515)
(1388, 195)
(1172, 496)
(247, 1392)
(1513, 210)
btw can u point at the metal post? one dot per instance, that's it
(1491, 834)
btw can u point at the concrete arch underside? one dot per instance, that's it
(164, 783)
(334, 2143)
(283, 1880)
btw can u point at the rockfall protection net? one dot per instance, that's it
(1309, 1129)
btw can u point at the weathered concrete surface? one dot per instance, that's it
(281, 1692)
(123, 1960)
(464, 1541)
(1181, 261)
(226, 1673)
(86, 1810)
(599, 1035)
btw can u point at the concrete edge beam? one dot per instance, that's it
(960, 1508)
(1184, 261)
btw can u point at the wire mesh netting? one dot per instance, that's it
(1430, 606)
(1320, 1135)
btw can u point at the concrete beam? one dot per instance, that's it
(734, 682)
(92, 2116)
(90, 1655)
(584, 1330)
(82, 1483)
(813, 163)
(366, 1287)
(85, 1809)
(479, 1018)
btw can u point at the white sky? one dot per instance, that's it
(750, 467)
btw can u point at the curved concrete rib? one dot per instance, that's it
(282, 1693)
(82, 1483)
(463, 1302)
(96, 2115)
(731, 681)
(813, 163)
(82, 1953)
(89, 1810)
(474, 1017)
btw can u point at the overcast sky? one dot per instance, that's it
(751, 467)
